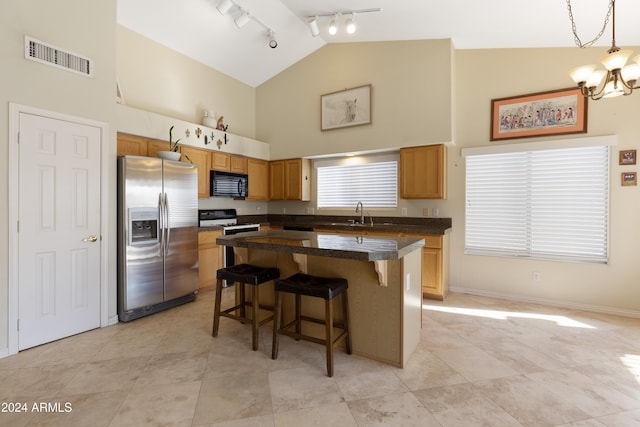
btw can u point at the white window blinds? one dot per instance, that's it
(374, 184)
(549, 204)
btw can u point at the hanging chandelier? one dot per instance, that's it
(617, 78)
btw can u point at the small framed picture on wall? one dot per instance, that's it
(627, 157)
(629, 178)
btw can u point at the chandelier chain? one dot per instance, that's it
(576, 39)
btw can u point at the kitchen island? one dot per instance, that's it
(385, 297)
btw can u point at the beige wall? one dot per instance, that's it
(155, 78)
(411, 98)
(87, 28)
(482, 75)
(410, 108)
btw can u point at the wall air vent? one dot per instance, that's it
(47, 54)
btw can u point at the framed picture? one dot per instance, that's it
(629, 178)
(556, 112)
(349, 107)
(627, 157)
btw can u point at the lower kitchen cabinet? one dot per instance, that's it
(209, 257)
(435, 259)
(435, 267)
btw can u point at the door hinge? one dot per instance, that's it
(18, 325)
(18, 137)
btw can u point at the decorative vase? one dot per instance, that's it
(169, 155)
(209, 120)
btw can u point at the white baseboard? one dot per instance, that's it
(553, 303)
(112, 320)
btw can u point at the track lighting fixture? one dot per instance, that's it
(273, 43)
(333, 26)
(313, 26)
(242, 19)
(350, 26)
(224, 6)
(227, 6)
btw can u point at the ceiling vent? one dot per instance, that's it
(47, 54)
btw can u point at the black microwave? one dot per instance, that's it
(229, 184)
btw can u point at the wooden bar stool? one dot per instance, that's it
(320, 287)
(250, 275)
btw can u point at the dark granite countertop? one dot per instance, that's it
(363, 248)
(407, 225)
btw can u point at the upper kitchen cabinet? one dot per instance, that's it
(220, 161)
(131, 145)
(423, 172)
(238, 164)
(258, 171)
(290, 179)
(201, 158)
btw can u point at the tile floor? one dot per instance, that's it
(481, 362)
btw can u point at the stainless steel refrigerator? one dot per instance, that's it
(157, 235)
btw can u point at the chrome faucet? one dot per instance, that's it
(359, 206)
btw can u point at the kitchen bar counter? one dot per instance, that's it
(383, 272)
(363, 248)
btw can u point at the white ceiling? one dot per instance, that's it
(198, 30)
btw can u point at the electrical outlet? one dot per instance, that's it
(284, 210)
(435, 212)
(536, 276)
(404, 211)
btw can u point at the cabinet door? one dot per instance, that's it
(238, 164)
(156, 145)
(422, 172)
(131, 145)
(293, 179)
(258, 171)
(220, 161)
(209, 257)
(202, 159)
(276, 180)
(432, 273)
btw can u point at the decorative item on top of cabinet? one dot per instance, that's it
(290, 179)
(423, 172)
(258, 171)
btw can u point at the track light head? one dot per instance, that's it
(242, 20)
(351, 24)
(333, 27)
(313, 26)
(273, 43)
(224, 6)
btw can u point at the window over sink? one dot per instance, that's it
(372, 182)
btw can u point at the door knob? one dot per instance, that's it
(90, 239)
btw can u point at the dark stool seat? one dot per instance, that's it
(301, 284)
(250, 275)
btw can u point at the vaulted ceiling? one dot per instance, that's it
(196, 28)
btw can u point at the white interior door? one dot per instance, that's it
(59, 229)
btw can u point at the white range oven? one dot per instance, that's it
(227, 219)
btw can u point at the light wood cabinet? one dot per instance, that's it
(220, 161)
(156, 145)
(201, 158)
(131, 145)
(435, 266)
(423, 172)
(290, 179)
(238, 164)
(209, 257)
(258, 171)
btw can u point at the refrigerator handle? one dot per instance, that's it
(167, 225)
(161, 224)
